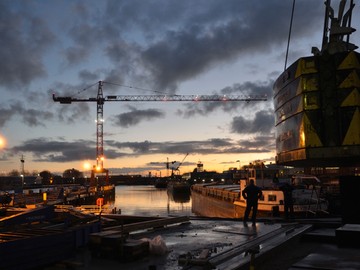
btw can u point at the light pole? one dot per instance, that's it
(22, 181)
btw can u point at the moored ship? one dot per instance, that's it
(226, 201)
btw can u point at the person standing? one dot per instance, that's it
(251, 194)
(288, 200)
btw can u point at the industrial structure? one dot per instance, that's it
(101, 99)
(317, 101)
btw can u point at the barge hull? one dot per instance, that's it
(206, 206)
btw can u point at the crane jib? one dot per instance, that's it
(185, 98)
(134, 98)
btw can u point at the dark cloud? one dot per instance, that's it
(22, 52)
(243, 90)
(61, 150)
(75, 55)
(87, 75)
(211, 146)
(186, 52)
(169, 41)
(5, 115)
(30, 117)
(173, 41)
(47, 150)
(72, 114)
(136, 116)
(262, 123)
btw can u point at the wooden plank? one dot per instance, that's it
(148, 224)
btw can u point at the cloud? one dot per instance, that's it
(170, 41)
(47, 150)
(30, 117)
(262, 123)
(136, 116)
(210, 146)
(5, 116)
(184, 52)
(61, 150)
(242, 90)
(22, 52)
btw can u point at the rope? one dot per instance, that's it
(288, 43)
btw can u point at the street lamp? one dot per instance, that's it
(87, 167)
(22, 181)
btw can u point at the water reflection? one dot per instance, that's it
(150, 201)
(179, 197)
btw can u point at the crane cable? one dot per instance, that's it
(122, 85)
(134, 87)
(288, 43)
(83, 90)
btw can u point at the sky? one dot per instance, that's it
(137, 47)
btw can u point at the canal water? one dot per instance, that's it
(151, 201)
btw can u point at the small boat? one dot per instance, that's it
(178, 190)
(161, 182)
(178, 187)
(226, 201)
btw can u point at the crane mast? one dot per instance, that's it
(100, 100)
(100, 128)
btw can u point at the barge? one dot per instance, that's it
(226, 201)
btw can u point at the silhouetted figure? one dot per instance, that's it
(288, 200)
(251, 194)
(5, 199)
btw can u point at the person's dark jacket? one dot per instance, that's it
(252, 193)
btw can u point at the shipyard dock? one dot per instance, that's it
(56, 236)
(197, 243)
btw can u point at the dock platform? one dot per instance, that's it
(228, 244)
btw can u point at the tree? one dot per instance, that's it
(72, 174)
(46, 177)
(14, 173)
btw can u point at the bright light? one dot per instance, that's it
(2, 141)
(87, 166)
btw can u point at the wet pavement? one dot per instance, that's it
(228, 244)
(201, 244)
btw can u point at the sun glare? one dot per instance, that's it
(2, 141)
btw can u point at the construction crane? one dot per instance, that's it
(101, 99)
(177, 168)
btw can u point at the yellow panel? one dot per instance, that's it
(300, 106)
(311, 101)
(349, 62)
(352, 80)
(308, 135)
(307, 84)
(353, 99)
(353, 134)
(306, 66)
